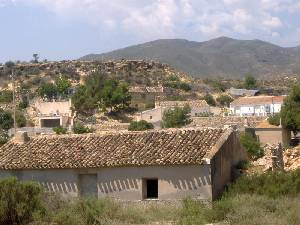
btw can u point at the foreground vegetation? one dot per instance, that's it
(271, 198)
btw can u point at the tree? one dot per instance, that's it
(290, 111)
(274, 119)
(35, 57)
(251, 145)
(62, 85)
(210, 100)
(140, 125)
(21, 120)
(48, 90)
(224, 100)
(177, 117)
(250, 82)
(6, 120)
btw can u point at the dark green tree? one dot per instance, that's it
(290, 112)
(224, 100)
(6, 120)
(250, 82)
(251, 145)
(21, 119)
(177, 117)
(48, 90)
(140, 126)
(210, 100)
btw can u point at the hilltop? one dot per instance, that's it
(222, 57)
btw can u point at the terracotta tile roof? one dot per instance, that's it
(164, 147)
(145, 89)
(258, 100)
(192, 104)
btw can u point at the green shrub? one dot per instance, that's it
(210, 100)
(252, 146)
(6, 96)
(19, 201)
(274, 119)
(140, 126)
(81, 129)
(177, 117)
(60, 130)
(224, 100)
(21, 119)
(3, 137)
(6, 120)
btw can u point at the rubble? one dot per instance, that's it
(291, 158)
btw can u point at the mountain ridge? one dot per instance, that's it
(221, 57)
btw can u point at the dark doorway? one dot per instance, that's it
(49, 123)
(152, 188)
(88, 185)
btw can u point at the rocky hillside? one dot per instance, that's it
(135, 72)
(221, 57)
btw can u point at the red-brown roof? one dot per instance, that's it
(166, 147)
(258, 100)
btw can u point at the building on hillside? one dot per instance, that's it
(242, 92)
(155, 115)
(268, 134)
(143, 96)
(166, 165)
(53, 114)
(256, 106)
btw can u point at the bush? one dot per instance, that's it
(19, 201)
(210, 100)
(20, 119)
(6, 96)
(140, 126)
(252, 146)
(274, 119)
(177, 117)
(224, 100)
(81, 129)
(3, 137)
(6, 120)
(60, 130)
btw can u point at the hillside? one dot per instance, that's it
(221, 57)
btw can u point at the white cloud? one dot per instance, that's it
(149, 19)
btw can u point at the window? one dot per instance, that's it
(150, 117)
(150, 188)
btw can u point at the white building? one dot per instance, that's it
(256, 105)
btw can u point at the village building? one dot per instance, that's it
(166, 165)
(53, 113)
(154, 116)
(256, 106)
(241, 92)
(143, 97)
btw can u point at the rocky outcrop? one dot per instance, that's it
(291, 158)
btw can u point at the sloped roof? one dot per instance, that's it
(195, 103)
(256, 100)
(165, 147)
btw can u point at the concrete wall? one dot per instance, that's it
(174, 182)
(223, 164)
(271, 135)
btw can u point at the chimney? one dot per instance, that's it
(21, 137)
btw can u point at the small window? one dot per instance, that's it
(150, 189)
(150, 117)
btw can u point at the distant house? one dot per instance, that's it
(53, 114)
(256, 106)
(155, 115)
(132, 166)
(144, 95)
(242, 92)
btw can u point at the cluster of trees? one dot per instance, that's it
(176, 83)
(101, 93)
(250, 82)
(177, 117)
(54, 90)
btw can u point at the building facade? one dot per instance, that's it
(256, 106)
(133, 166)
(155, 115)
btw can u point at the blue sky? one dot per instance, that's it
(69, 29)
